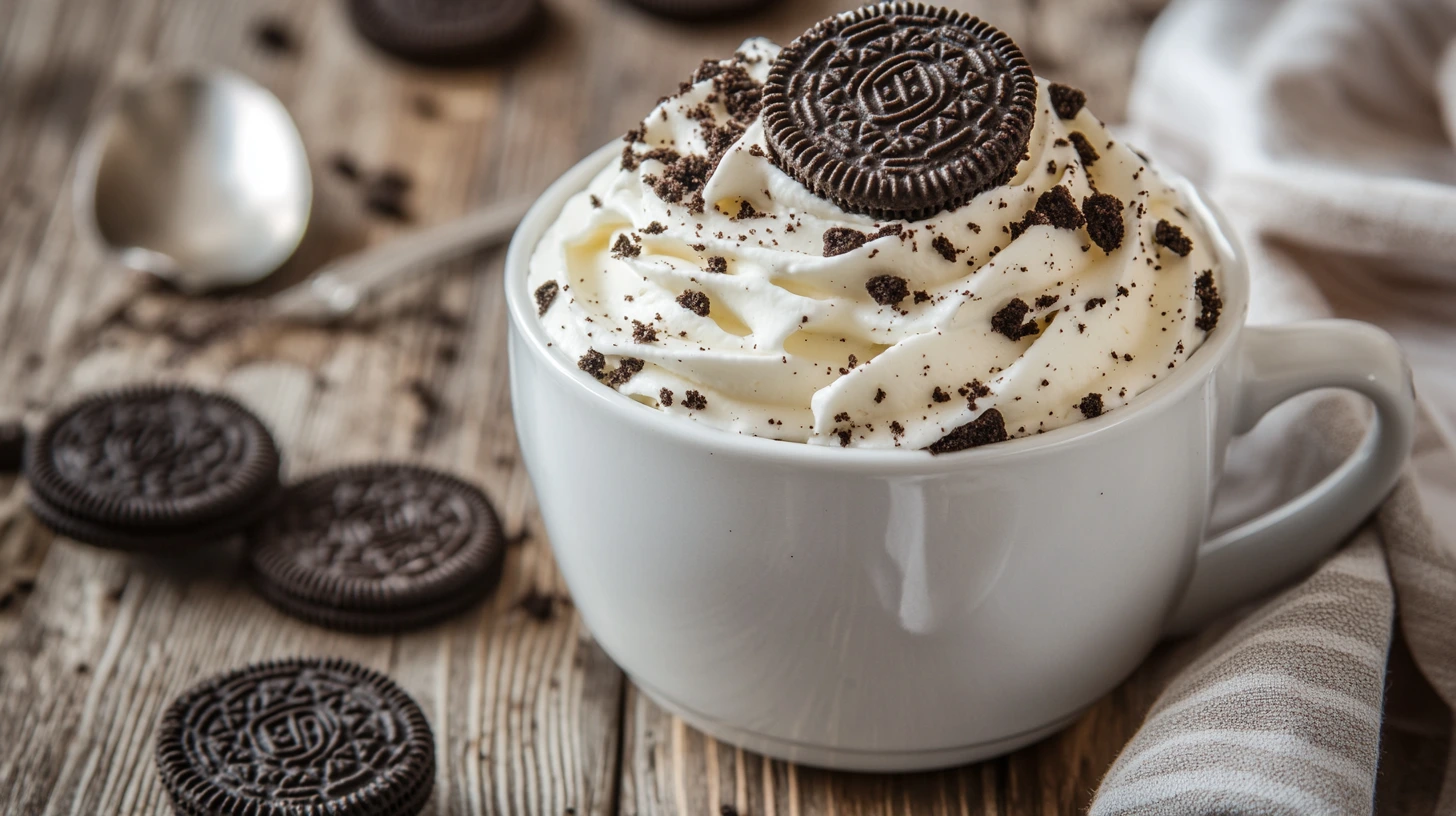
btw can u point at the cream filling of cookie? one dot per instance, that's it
(745, 319)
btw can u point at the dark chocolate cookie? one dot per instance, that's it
(446, 32)
(900, 110)
(294, 738)
(151, 467)
(694, 10)
(378, 547)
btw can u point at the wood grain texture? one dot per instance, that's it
(530, 716)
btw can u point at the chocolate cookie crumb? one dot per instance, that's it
(985, 429)
(273, 36)
(888, 230)
(545, 296)
(888, 290)
(1085, 150)
(1091, 406)
(1008, 321)
(1094, 303)
(939, 395)
(921, 296)
(1030, 219)
(694, 401)
(1104, 220)
(344, 166)
(1045, 301)
(717, 265)
(756, 151)
(839, 240)
(665, 397)
(880, 395)
(1066, 100)
(655, 228)
(746, 211)
(595, 202)
(842, 416)
(624, 248)
(1172, 237)
(695, 302)
(619, 376)
(1060, 208)
(946, 249)
(1212, 304)
(643, 333)
(593, 363)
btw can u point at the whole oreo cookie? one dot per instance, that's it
(294, 738)
(445, 32)
(151, 467)
(379, 547)
(693, 10)
(900, 110)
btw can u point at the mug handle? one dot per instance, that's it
(1276, 363)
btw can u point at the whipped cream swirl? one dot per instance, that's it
(695, 276)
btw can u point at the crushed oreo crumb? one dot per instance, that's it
(921, 296)
(746, 211)
(655, 228)
(939, 395)
(844, 437)
(1030, 219)
(1045, 301)
(545, 296)
(593, 363)
(880, 395)
(665, 397)
(1091, 405)
(643, 333)
(596, 202)
(839, 240)
(695, 302)
(1172, 237)
(756, 151)
(1104, 220)
(985, 429)
(1094, 303)
(946, 249)
(1060, 208)
(1008, 320)
(624, 248)
(717, 265)
(625, 371)
(1085, 150)
(1066, 100)
(694, 401)
(888, 290)
(1208, 295)
(842, 416)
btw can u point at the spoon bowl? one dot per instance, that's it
(200, 178)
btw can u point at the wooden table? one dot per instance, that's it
(530, 715)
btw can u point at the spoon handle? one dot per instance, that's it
(341, 285)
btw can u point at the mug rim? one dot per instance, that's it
(1233, 285)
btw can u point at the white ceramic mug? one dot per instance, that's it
(890, 610)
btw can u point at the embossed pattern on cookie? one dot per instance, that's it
(294, 737)
(900, 110)
(151, 467)
(378, 547)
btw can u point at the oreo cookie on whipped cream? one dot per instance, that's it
(900, 110)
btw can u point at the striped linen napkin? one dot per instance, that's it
(1325, 130)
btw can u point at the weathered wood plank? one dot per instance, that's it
(93, 645)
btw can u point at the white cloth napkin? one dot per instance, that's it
(1324, 129)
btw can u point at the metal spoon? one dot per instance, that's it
(201, 179)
